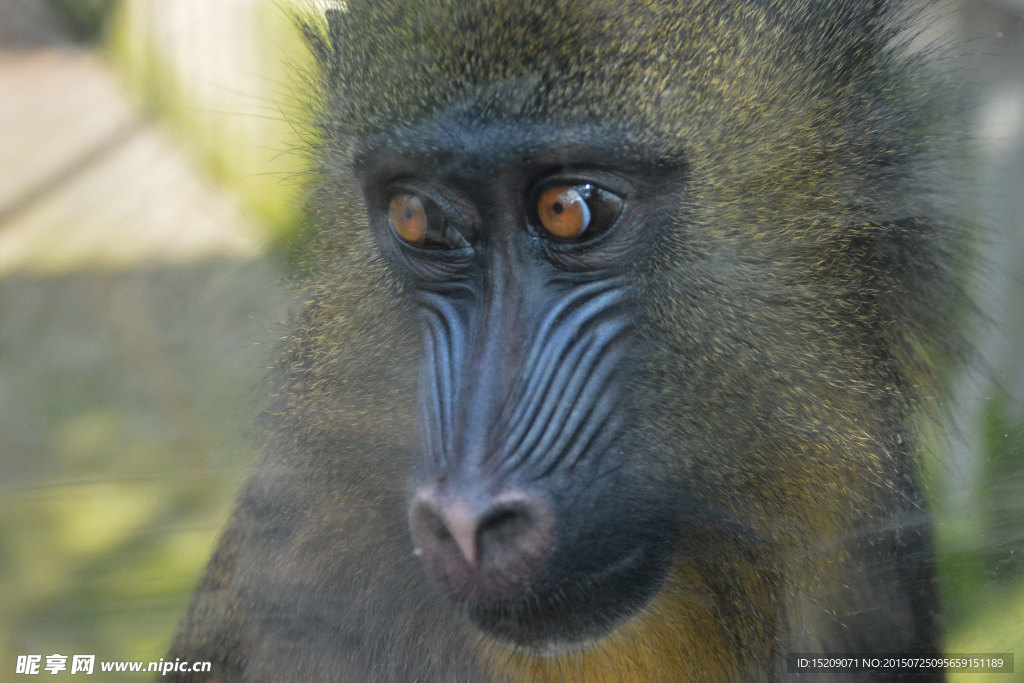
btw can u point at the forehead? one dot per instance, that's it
(744, 87)
(570, 61)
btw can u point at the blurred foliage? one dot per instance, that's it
(127, 395)
(985, 592)
(243, 125)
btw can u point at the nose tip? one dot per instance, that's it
(487, 546)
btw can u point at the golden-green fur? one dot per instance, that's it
(791, 310)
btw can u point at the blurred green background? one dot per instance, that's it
(148, 222)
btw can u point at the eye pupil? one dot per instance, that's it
(416, 220)
(408, 218)
(562, 211)
(573, 212)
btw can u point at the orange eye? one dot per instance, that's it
(573, 212)
(563, 212)
(408, 218)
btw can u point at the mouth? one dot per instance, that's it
(577, 610)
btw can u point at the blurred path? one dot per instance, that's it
(83, 180)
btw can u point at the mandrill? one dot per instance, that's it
(621, 314)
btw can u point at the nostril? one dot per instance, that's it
(504, 524)
(436, 524)
(486, 545)
(506, 529)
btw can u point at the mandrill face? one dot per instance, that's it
(518, 245)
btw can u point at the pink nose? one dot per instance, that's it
(486, 547)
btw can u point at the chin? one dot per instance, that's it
(575, 612)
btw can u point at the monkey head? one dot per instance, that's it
(642, 252)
